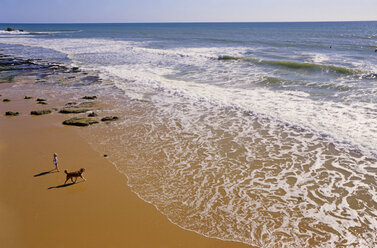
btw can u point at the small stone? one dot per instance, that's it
(70, 104)
(40, 112)
(82, 122)
(10, 113)
(92, 114)
(6, 100)
(110, 118)
(89, 97)
(41, 100)
(43, 103)
(28, 97)
(105, 155)
(73, 111)
(86, 104)
(75, 69)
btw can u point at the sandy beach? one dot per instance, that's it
(37, 210)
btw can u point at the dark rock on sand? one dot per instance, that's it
(28, 97)
(75, 69)
(86, 104)
(10, 113)
(40, 112)
(70, 104)
(92, 114)
(82, 122)
(73, 111)
(80, 105)
(89, 97)
(41, 100)
(43, 103)
(105, 155)
(6, 100)
(110, 118)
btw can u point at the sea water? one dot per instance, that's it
(262, 133)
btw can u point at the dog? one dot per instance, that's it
(75, 174)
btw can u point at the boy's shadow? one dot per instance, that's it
(46, 172)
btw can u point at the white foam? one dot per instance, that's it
(200, 160)
(14, 32)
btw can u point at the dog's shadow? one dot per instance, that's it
(46, 172)
(64, 185)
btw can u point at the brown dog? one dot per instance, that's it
(75, 174)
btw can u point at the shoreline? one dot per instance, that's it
(270, 174)
(39, 211)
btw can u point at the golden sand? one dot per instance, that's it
(37, 210)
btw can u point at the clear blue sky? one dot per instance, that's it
(48, 11)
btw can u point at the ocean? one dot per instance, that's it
(261, 133)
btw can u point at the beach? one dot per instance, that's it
(199, 134)
(36, 210)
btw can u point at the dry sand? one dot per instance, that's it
(37, 211)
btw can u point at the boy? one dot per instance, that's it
(55, 160)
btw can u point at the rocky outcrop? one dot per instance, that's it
(73, 111)
(40, 112)
(110, 118)
(86, 104)
(81, 122)
(92, 114)
(10, 113)
(89, 97)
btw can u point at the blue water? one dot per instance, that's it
(231, 93)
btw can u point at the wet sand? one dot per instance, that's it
(38, 210)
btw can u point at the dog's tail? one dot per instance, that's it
(65, 171)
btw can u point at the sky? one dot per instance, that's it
(104, 11)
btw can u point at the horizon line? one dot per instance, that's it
(183, 22)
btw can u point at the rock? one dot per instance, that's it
(41, 100)
(86, 104)
(28, 97)
(92, 114)
(43, 103)
(40, 112)
(145, 101)
(110, 118)
(105, 155)
(10, 29)
(80, 105)
(70, 104)
(73, 111)
(10, 113)
(82, 122)
(75, 69)
(89, 97)
(6, 100)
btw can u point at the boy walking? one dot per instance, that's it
(55, 161)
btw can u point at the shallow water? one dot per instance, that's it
(258, 133)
